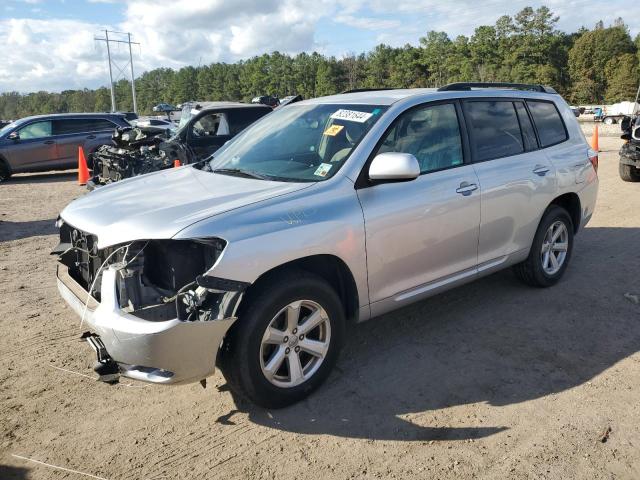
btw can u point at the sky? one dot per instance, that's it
(49, 44)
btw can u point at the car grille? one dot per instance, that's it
(83, 258)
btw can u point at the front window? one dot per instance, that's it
(299, 143)
(211, 125)
(35, 130)
(430, 133)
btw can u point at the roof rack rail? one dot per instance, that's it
(513, 86)
(357, 90)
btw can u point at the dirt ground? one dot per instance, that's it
(491, 380)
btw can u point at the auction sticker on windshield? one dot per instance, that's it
(351, 115)
(333, 130)
(323, 169)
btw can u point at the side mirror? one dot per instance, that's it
(393, 166)
(14, 136)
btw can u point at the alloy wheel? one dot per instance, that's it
(295, 343)
(554, 248)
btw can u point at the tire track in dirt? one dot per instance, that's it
(197, 447)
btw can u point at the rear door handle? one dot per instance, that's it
(466, 188)
(91, 137)
(49, 142)
(541, 170)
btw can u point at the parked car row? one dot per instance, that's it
(331, 210)
(50, 142)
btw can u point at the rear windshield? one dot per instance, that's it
(551, 129)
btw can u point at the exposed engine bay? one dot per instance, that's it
(136, 151)
(157, 280)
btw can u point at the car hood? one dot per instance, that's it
(160, 204)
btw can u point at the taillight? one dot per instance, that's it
(593, 158)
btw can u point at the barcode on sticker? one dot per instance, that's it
(351, 115)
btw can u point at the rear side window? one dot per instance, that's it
(495, 131)
(241, 119)
(81, 125)
(551, 129)
(528, 133)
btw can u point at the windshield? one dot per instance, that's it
(188, 112)
(7, 128)
(299, 143)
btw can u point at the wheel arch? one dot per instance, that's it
(571, 203)
(330, 268)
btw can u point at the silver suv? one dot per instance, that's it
(328, 211)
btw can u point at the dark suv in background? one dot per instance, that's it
(50, 142)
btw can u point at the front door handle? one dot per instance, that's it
(49, 142)
(541, 170)
(466, 188)
(91, 137)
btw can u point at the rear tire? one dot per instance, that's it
(5, 172)
(549, 256)
(265, 359)
(629, 173)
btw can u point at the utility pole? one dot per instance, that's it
(121, 70)
(111, 87)
(133, 78)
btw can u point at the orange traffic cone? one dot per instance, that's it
(176, 163)
(594, 139)
(83, 171)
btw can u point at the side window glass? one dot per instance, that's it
(36, 130)
(528, 134)
(99, 125)
(495, 131)
(548, 122)
(68, 126)
(212, 125)
(431, 134)
(239, 120)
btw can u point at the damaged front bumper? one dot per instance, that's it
(168, 351)
(630, 154)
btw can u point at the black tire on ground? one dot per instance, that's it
(5, 172)
(239, 358)
(531, 271)
(629, 173)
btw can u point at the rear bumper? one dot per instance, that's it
(588, 196)
(166, 352)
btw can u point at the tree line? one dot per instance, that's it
(591, 66)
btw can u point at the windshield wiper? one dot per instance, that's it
(241, 173)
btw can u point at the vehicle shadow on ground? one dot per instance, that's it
(19, 230)
(13, 473)
(50, 177)
(494, 341)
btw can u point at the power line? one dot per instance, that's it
(112, 63)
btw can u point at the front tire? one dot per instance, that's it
(551, 250)
(286, 340)
(629, 173)
(5, 172)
